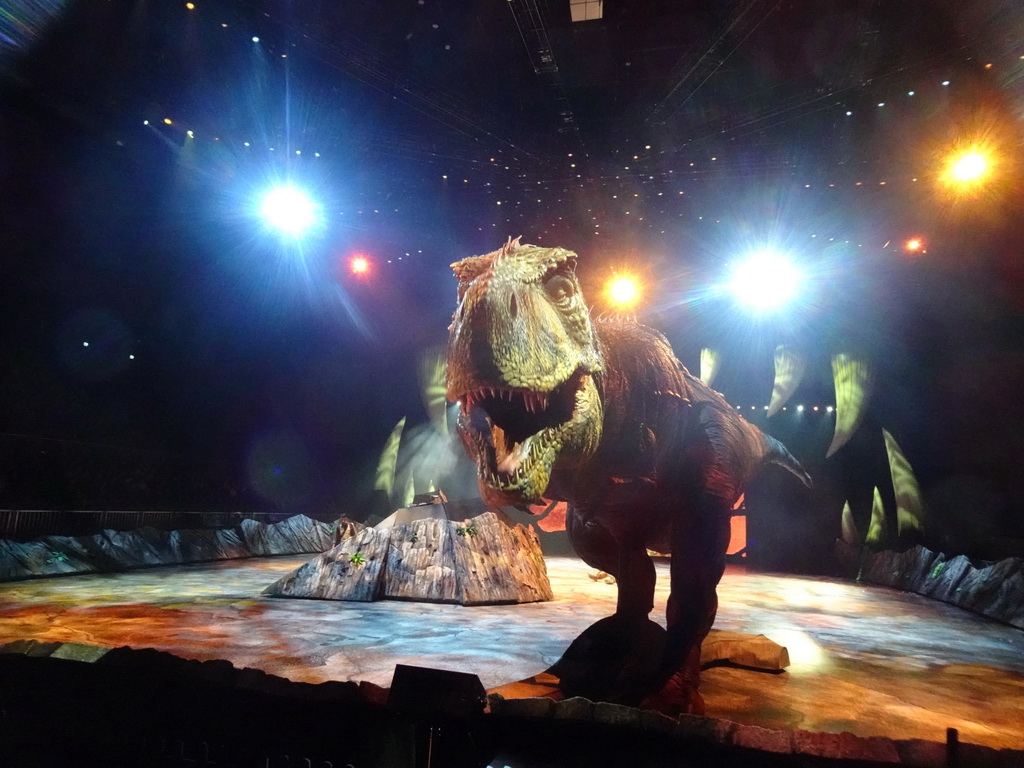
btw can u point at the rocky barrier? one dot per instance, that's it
(991, 589)
(112, 551)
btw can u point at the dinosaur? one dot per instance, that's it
(557, 405)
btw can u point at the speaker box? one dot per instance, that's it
(423, 692)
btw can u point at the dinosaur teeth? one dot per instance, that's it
(534, 401)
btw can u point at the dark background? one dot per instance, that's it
(229, 369)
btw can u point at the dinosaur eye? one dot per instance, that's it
(559, 287)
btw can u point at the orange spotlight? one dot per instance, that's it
(623, 292)
(969, 169)
(914, 245)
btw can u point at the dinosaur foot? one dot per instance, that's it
(678, 696)
(616, 659)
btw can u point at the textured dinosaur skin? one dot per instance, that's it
(601, 414)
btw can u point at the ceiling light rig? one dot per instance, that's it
(970, 171)
(646, 146)
(798, 409)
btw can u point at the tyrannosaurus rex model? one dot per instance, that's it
(601, 414)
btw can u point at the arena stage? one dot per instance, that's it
(868, 660)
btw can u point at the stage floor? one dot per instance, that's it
(868, 660)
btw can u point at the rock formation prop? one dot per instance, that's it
(993, 589)
(418, 553)
(112, 550)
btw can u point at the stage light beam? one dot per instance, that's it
(289, 210)
(764, 281)
(623, 292)
(969, 167)
(970, 170)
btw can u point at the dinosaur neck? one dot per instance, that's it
(641, 385)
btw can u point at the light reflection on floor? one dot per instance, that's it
(869, 660)
(805, 655)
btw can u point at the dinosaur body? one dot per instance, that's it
(602, 415)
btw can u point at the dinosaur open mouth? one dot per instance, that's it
(516, 433)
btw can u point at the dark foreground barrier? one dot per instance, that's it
(84, 706)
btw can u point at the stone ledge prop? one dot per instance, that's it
(418, 553)
(995, 589)
(112, 550)
(747, 741)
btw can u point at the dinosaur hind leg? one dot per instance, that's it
(592, 542)
(699, 543)
(617, 658)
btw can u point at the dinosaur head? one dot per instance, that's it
(521, 360)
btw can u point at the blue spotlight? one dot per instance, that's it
(289, 210)
(764, 281)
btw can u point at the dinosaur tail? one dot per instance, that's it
(778, 454)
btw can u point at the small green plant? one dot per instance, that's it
(56, 557)
(466, 530)
(938, 569)
(357, 559)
